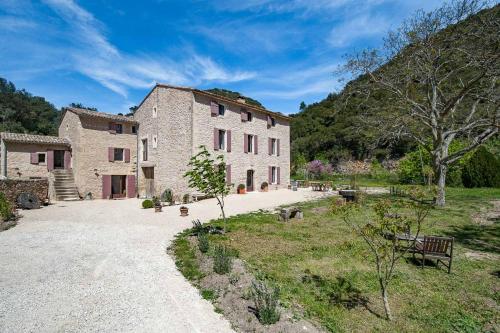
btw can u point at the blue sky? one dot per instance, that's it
(109, 53)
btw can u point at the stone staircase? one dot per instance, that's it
(64, 185)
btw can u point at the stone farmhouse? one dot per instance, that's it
(108, 156)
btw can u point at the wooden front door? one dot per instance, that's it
(250, 185)
(58, 159)
(149, 181)
(118, 186)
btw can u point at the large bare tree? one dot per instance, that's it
(439, 72)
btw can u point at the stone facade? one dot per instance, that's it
(13, 187)
(91, 139)
(180, 120)
(18, 160)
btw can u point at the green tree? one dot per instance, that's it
(21, 112)
(208, 176)
(378, 226)
(440, 84)
(481, 170)
(81, 106)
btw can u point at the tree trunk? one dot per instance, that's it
(385, 297)
(441, 194)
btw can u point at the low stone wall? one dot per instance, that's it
(13, 187)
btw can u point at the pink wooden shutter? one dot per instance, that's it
(106, 186)
(127, 155)
(228, 134)
(256, 144)
(214, 109)
(270, 175)
(216, 139)
(67, 159)
(278, 147)
(228, 174)
(131, 186)
(244, 115)
(270, 146)
(245, 143)
(111, 154)
(278, 175)
(112, 128)
(50, 160)
(34, 158)
(269, 122)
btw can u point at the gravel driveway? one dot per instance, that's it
(97, 266)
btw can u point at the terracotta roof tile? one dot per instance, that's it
(97, 114)
(32, 138)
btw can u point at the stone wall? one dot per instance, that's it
(13, 187)
(90, 140)
(183, 122)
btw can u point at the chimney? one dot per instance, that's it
(241, 99)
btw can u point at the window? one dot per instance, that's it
(273, 122)
(155, 141)
(273, 175)
(250, 144)
(118, 154)
(249, 116)
(222, 110)
(273, 146)
(155, 112)
(222, 140)
(118, 128)
(134, 130)
(41, 158)
(145, 149)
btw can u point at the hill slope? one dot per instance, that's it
(22, 112)
(330, 129)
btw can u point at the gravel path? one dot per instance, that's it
(95, 266)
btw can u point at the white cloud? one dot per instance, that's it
(360, 27)
(81, 39)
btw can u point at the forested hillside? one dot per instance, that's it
(234, 95)
(22, 112)
(333, 129)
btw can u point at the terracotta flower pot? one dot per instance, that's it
(184, 211)
(242, 191)
(157, 209)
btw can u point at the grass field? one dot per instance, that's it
(323, 247)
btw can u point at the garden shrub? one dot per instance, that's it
(5, 208)
(223, 261)
(266, 298)
(203, 243)
(167, 196)
(146, 204)
(481, 170)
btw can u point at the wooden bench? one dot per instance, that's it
(433, 247)
(286, 214)
(199, 196)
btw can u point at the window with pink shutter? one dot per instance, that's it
(228, 174)
(245, 143)
(127, 155)
(111, 154)
(228, 138)
(278, 147)
(106, 186)
(34, 158)
(278, 181)
(131, 186)
(216, 139)
(214, 109)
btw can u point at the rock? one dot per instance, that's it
(28, 200)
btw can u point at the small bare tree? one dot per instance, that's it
(379, 226)
(208, 176)
(440, 77)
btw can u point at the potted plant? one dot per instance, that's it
(167, 196)
(184, 211)
(241, 189)
(264, 187)
(157, 204)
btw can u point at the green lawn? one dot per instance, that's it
(321, 246)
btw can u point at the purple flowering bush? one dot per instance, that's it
(318, 169)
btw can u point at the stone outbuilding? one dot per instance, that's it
(104, 150)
